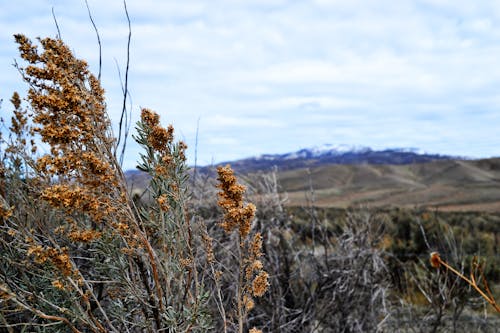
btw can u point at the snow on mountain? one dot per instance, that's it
(328, 149)
(336, 154)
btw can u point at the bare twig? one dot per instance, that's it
(196, 152)
(124, 118)
(57, 25)
(13, 298)
(98, 39)
(436, 262)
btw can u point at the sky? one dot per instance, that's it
(275, 76)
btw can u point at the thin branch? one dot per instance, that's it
(57, 25)
(196, 151)
(423, 234)
(128, 122)
(125, 90)
(436, 261)
(12, 297)
(98, 38)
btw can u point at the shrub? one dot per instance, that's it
(77, 251)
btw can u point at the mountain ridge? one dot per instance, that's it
(397, 177)
(329, 154)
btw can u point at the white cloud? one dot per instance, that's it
(289, 74)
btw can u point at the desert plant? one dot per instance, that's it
(76, 251)
(252, 279)
(433, 300)
(476, 277)
(339, 283)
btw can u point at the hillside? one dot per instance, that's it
(352, 177)
(448, 185)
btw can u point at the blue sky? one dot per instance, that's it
(273, 76)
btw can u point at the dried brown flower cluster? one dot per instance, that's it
(435, 260)
(208, 245)
(68, 223)
(19, 121)
(68, 99)
(237, 214)
(22, 131)
(163, 202)
(254, 267)
(70, 116)
(158, 137)
(5, 212)
(167, 224)
(255, 330)
(84, 236)
(165, 154)
(163, 161)
(58, 257)
(254, 280)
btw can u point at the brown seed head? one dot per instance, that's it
(260, 284)
(248, 302)
(150, 118)
(435, 260)
(255, 330)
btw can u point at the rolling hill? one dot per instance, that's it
(360, 177)
(455, 185)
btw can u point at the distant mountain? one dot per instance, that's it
(344, 176)
(329, 154)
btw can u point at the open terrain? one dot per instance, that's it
(449, 185)
(373, 179)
